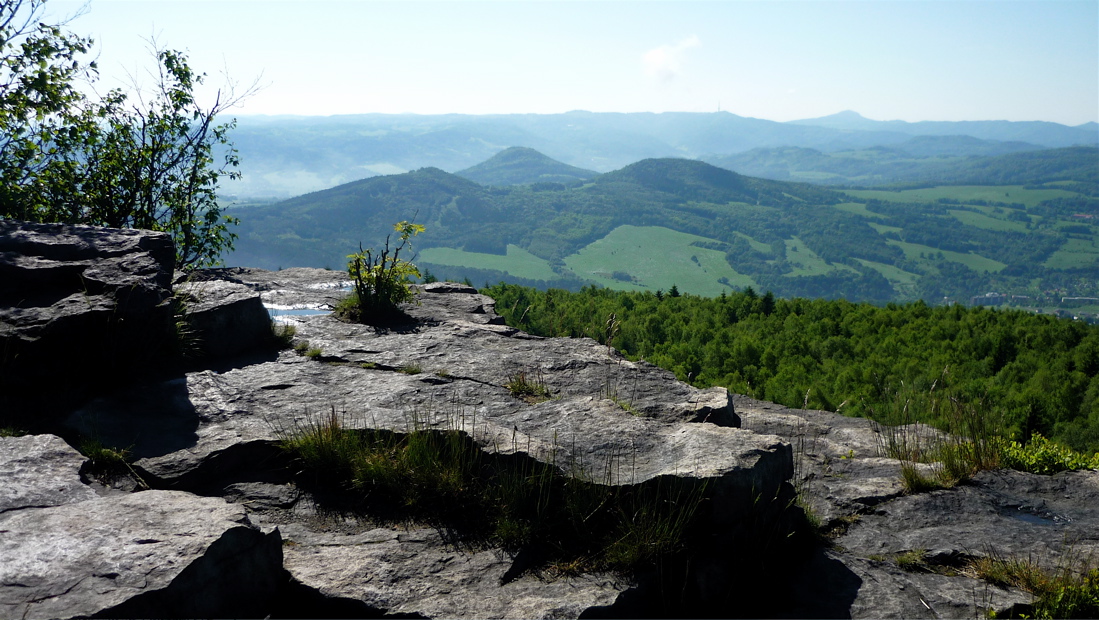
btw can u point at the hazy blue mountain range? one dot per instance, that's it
(916, 162)
(705, 229)
(522, 166)
(285, 156)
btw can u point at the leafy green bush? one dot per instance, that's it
(381, 281)
(1042, 456)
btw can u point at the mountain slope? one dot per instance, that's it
(522, 166)
(660, 222)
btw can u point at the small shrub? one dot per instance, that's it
(1042, 456)
(301, 347)
(314, 353)
(381, 282)
(11, 431)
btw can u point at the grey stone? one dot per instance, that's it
(39, 471)
(839, 585)
(417, 572)
(1047, 519)
(154, 553)
(226, 318)
(79, 297)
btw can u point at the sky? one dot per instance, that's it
(912, 60)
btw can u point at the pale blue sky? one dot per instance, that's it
(778, 60)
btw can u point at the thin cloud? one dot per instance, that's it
(666, 62)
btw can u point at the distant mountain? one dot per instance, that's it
(899, 165)
(1050, 135)
(522, 166)
(286, 156)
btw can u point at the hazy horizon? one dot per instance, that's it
(952, 60)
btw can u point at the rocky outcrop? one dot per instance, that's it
(233, 529)
(224, 318)
(79, 306)
(70, 553)
(612, 421)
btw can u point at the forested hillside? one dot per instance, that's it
(707, 230)
(1039, 374)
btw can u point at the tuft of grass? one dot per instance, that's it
(1069, 591)
(282, 334)
(529, 387)
(410, 369)
(368, 365)
(912, 561)
(443, 478)
(11, 431)
(314, 353)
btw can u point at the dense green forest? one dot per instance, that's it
(709, 230)
(1040, 373)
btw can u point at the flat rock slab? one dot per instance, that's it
(1008, 514)
(39, 471)
(154, 553)
(416, 572)
(839, 585)
(839, 464)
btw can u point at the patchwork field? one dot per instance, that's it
(805, 261)
(654, 258)
(518, 262)
(989, 223)
(966, 193)
(1075, 253)
(975, 262)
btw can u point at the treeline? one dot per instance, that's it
(1039, 372)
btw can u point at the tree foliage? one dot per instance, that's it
(1040, 373)
(131, 160)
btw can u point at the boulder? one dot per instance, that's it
(149, 554)
(40, 471)
(225, 318)
(416, 574)
(80, 306)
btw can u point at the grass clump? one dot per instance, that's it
(282, 335)
(1064, 592)
(529, 387)
(444, 479)
(410, 369)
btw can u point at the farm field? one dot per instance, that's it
(858, 208)
(805, 261)
(1074, 254)
(975, 262)
(965, 193)
(518, 262)
(630, 250)
(895, 275)
(988, 223)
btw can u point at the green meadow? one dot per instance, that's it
(655, 258)
(975, 262)
(1075, 253)
(805, 261)
(518, 262)
(989, 223)
(966, 193)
